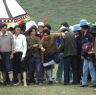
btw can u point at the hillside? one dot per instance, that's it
(58, 11)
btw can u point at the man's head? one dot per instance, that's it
(4, 28)
(63, 29)
(93, 31)
(40, 26)
(85, 28)
(32, 31)
(84, 24)
(47, 26)
(17, 30)
(77, 30)
(65, 24)
(22, 26)
(46, 33)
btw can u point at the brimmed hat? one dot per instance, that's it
(40, 24)
(76, 27)
(84, 22)
(30, 24)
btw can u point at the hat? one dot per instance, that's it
(30, 24)
(40, 24)
(94, 24)
(76, 27)
(84, 22)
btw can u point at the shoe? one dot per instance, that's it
(84, 85)
(58, 81)
(1, 83)
(75, 83)
(4, 83)
(11, 83)
(66, 83)
(39, 83)
(18, 83)
(93, 86)
(50, 82)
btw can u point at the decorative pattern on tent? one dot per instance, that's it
(11, 11)
(16, 19)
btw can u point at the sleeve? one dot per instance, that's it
(12, 43)
(42, 41)
(24, 43)
(61, 47)
(39, 43)
(56, 35)
(29, 46)
(62, 35)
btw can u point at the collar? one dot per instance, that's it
(1, 34)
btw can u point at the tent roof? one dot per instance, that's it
(11, 10)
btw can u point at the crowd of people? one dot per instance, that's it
(29, 57)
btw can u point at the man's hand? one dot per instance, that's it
(43, 49)
(35, 45)
(63, 34)
(22, 59)
(11, 56)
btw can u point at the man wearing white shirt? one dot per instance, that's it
(20, 48)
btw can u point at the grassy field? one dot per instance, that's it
(58, 11)
(56, 89)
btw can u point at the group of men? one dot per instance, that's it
(30, 56)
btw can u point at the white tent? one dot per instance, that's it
(11, 11)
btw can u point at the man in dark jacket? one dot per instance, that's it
(69, 49)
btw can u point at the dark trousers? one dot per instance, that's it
(16, 65)
(6, 62)
(34, 69)
(79, 67)
(70, 62)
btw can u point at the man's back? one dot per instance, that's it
(69, 44)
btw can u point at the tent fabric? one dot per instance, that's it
(11, 11)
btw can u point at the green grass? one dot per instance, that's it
(56, 89)
(58, 11)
